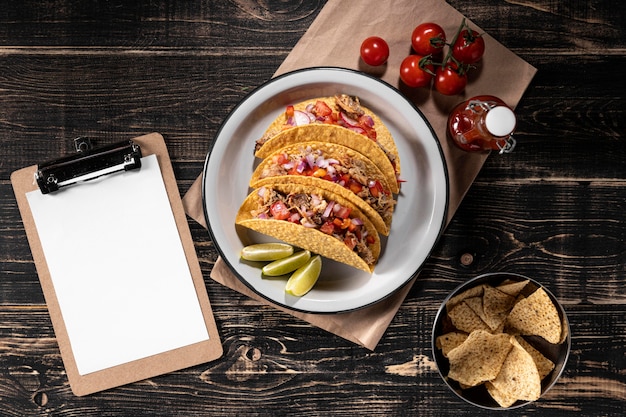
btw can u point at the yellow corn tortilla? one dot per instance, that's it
(263, 175)
(309, 238)
(383, 135)
(333, 134)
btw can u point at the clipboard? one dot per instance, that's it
(96, 378)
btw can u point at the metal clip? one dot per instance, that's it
(88, 163)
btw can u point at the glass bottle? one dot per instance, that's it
(482, 123)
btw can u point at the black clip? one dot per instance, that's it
(87, 164)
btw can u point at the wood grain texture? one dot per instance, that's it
(553, 209)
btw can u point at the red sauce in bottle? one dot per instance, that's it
(482, 123)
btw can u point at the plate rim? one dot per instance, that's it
(276, 79)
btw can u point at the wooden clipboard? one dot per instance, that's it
(140, 369)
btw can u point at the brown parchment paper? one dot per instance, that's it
(334, 39)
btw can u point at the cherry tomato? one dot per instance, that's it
(449, 80)
(428, 39)
(414, 71)
(374, 51)
(469, 47)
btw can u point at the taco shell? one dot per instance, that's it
(383, 135)
(337, 135)
(306, 237)
(270, 171)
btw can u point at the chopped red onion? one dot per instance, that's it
(329, 208)
(301, 118)
(356, 222)
(348, 120)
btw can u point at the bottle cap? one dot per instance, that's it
(500, 121)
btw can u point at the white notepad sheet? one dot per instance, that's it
(118, 268)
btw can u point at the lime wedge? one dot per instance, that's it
(286, 265)
(305, 277)
(266, 251)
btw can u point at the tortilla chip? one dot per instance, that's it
(513, 288)
(465, 319)
(544, 365)
(338, 135)
(495, 306)
(479, 358)
(309, 238)
(518, 377)
(496, 301)
(449, 341)
(536, 315)
(472, 292)
(503, 400)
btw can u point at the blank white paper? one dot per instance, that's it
(118, 268)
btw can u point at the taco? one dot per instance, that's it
(337, 135)
(340, 110)
(313, 219)
(336, 168)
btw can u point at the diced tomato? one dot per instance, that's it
(281, 158)
(370, 239)
(354, 186)
(376, 189)
(321, 109)
(350, 241)
(328, 228)
(319, 172)
(343, 212)
(279, 210)
(289, 111)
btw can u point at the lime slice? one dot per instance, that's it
(286, 265)
(266, 251)
(305, 277)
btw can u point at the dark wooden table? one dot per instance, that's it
(553, 210)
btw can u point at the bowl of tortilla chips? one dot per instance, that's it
(501, 340)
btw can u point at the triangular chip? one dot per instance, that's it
(449, 341)
(496, 301)
(457, 299)
(479, 358)
(513, 288)
(504, 400)
(536, 315)
(544, 365)
(465, 320)
(518, 378)
(494, 321)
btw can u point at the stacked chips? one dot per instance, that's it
(485, 341)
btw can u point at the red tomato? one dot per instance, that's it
(322, 109)
(279, 210)
(469, 47)
(328, 228)
(449, 80)
(414, 71)
(374, 51)
(428, 39)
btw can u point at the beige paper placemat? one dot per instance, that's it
(334, 39)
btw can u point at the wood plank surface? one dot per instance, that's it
(553, 209)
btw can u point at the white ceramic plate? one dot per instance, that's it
(420, 213)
